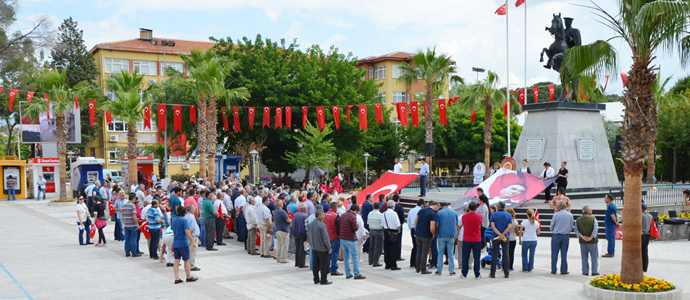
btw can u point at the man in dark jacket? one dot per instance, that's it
(321, 248)
(300, 233)
(348, 240)
(367, 207)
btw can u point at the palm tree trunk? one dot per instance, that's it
(212, 134)
(488, 127)
(651, 163)
(62, 151)
(132, 152)
(161, 169)
(202, 139)
(429, 119)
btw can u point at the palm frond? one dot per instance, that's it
(596, 58)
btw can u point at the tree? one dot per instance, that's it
(673, 140)
(316, 150)
(61, 98)
(433, 69)
(128, 105)
(40, 34)
(644, 25)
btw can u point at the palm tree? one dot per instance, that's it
(207, 75)
(61, 96)
(435, 71)
(128, 105)
(644, 25)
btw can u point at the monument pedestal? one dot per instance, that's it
(572, 132)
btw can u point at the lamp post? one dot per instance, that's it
(69, 163)
(478, 70)
(254, 153)
(366, 168)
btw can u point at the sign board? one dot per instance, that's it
(43, 129)
(42, 160)
(585, 149)
(535, 149)
(139, 157)
(49, 176)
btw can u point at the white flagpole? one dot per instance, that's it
(508, 78)
(525, 93)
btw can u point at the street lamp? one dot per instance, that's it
(366, 168)
(254, 153)
(69, 155)
(478, 70)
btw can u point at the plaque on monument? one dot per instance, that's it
(535, 148)
(586, 149)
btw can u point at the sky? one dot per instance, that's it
(467, 30)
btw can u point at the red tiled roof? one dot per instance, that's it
(145, 46)
(390, 56)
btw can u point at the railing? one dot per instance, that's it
(654, 194)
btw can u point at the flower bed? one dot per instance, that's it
(61, 202)
(683, 215)
(613, 282)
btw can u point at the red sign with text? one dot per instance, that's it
(43, 160)
(140, 157)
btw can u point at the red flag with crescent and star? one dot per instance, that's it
(452, 100)
(267, 117)
(92, 110)
(624, 77)
(501, 11)
(363, 117)
(161, 117)
(402, 113)
(279, 117)
(177, 112)
(226, 126)
(288, 117)
(305, 110)
(192, 114)
(348, 112)
(252, 112)
(505, 109)
(442, 111)
(551, 92)
(389, 184)
(415, 113)
(336, 116)
(320, 117)
(519, 2)
(13, 93)
(29, 96)
(535, 91)
(521, 97)
(147, 117)
(236, 119)
(108, 117)
(379, 113)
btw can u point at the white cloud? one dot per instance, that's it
(273, 15)
(335, 39)
(293, 31)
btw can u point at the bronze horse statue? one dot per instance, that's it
(556, 53)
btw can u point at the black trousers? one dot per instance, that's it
(300, 254)
(547, 193)
(423, 246)
(512, 245)
(390, 249)
(504, 256)
(645, 252)
(210, 231)
(220, 224)
(413, 254)
(153, 244)
(320, 266)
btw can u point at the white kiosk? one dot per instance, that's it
(48, 167)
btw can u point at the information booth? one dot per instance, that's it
(86, 169)
(11, 166)
(48, 167)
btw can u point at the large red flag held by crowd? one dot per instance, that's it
(388, 184)
(512, 187)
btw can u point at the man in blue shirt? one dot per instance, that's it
(447, 223)
(423, 172)
(181, 238)
(155, 221)
(425, 229)
(411, 217)
(611, 222)
(561, 226)
(501, 223)
(174, 202)
(367, 207)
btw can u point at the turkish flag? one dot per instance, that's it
(624, 77)
(45, 96)
(236, 119)
(389, 184)
(519, 2)
(13, 93)
(229, 224)
(442, 111)
(288, 116)
(161, 117)
(348, 111)
(501, 11)
(92, 110)
(402, 113)
(267, 117)
(535, 91)
(76, 100)
(521, 97)
(362, 116)
(177, 112)
(551, 91)
(605, 85)
(111, 208)
(452, 100)
(108, 117)
(505, 109)
(92, 231)
(536, 218)
(654, 232)
(225, 119)
(145, 229)
(415, 113)
(279, 117)
(29, 96)
(474, 115)
(147, 117)
(336, 116)
(192, 114)
(379, 113)
(252, 111)
(305, 109)
(320, 117)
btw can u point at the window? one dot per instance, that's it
(145, 67)
(371, 72)
(117, 125)
(382, 97)
(397, 72)
(176, 66)
(110, 94)
(399, 97)
(116, 65)
(176, 159)
(381, 72)
(112, 156)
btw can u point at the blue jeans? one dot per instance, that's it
(311, 259)
(422, 185)
(446, 246)
(559, 243)
(40, 190)
(87, 230)
(130, 240)
(350, 248)
(528, 262)
(333, 258)
(119, 234)
(241, 228)
(10, 192)
(202, 232)
(611, 239)
(273, 238)
(476, 249)
(590, 251)
(434, 252)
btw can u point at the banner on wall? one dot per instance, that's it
(43, 130)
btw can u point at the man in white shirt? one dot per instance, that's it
(397, 168)
(133, 187)
(41, 187)
(411, 216)
(263, 215)
(146, 206)
(220, 221)
(391, 225)
(227, 202)
(547, 173)
(140, 193)
(252, 225)
(154, 179)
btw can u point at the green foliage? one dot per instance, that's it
(681, 85)
(674, 121)
(316, 150)
(70, 52)
(385, 149)
(612, 129)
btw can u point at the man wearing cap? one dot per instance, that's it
(586, 228)
(546, 174)
(319, 243)
(646, 234)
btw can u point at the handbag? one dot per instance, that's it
(101, 222)
(392, 233)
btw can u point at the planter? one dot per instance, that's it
(602, 294)
(674, 232)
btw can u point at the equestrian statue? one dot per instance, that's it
(565, 38)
